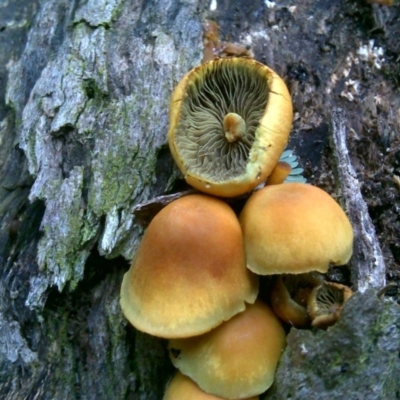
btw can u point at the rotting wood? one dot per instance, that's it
(122, 58)
(367, 264)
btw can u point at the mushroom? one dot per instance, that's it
(325, 303)
(238, 358)
(229, 123)
(294, 228)
(279, 173)
(289, 297)
(182, 387)
(189, 271)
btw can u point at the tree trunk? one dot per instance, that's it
(84, 113)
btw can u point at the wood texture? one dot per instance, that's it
(84, 97)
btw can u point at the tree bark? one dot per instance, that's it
(84, 98)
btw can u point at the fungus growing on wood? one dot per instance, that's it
(182, 387)
(326, 302)
(279, 173)
(294, 228)
(238, 358)
(229, 123)
(189, 272)
(289, 297)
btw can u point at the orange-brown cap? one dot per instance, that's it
(289, 297)
(238, 358)
(294, 228)
(182, 387)
(279, 173)
(189, 273)
(229, 124)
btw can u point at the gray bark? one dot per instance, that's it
(357, 358)
(84, 97)
(367, 264)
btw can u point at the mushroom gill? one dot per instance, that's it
(221, 100)
(289, 297)
(229, 123)
(326, 302)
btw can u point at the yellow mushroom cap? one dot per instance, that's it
(237, 359)
(229, 124)
(189, 272)
(294, 228)
(182, 387)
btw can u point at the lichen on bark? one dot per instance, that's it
(88, 100)
(92, 144)
(87, 92)
(358, 356)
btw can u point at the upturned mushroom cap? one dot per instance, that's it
(237, 359)
(326, 302)
(289, 297)
(294, 228)
(189, 273)
(182, 387)
(229, 123)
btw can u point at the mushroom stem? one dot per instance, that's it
(234, 127)
(289, 297)
(279, 173)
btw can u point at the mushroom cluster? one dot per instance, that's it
(294, 231)
(195, 277)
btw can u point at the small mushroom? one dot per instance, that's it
(229, 123)
(238, 358)
(294, 228)
(279, 173)
(182, 387)
(326, 302)
(289, 297)
(189, 271)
